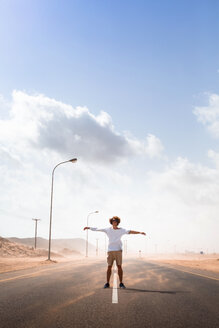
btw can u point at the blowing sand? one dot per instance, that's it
(13, 264)
(202, 262)
(209, 263)
(14, 256)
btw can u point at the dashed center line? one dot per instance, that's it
(115, 289)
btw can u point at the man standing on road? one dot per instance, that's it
(115, 247)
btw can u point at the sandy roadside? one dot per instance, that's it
(9, 264)
(13, 264)
(206, 262)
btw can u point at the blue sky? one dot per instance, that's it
(140, 56)
(148, 64)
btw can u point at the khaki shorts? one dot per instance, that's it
(114, 255)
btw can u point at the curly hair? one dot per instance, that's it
(116, 218)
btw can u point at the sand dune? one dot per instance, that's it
(16, 256)
(12, 249)
(75, 244)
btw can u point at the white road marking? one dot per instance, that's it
(194, 273)
(115, 289)
(186, 271)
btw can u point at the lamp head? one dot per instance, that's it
(73, 160)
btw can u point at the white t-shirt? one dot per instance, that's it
(114, 235)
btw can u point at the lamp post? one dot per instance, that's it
(87, 232)
(50, 223)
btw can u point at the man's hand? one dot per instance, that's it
(85, 228)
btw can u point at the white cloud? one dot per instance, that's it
(37, 133)
(193, 184)
(183, 202)
(209, 115)
(179, 202)
(47, 124)
(214, 156)
(154, 147)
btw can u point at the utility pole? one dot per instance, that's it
(36, 220)
(96, 247)
(125, 246)
(146, 246)
(105, 244)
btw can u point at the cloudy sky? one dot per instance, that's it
(130, 88)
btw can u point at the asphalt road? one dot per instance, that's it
(66, 295)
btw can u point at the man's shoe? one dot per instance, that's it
(121, 285)
(107, 285)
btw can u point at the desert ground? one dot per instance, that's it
(207, 262)
(15, 256)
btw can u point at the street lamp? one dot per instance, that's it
(73, 160)
(87, 232)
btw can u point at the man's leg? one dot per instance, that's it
(120, 272)
(108, 273)
(119, 266)
(109, 269)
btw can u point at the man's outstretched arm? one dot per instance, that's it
(136, 232)
(94, 229)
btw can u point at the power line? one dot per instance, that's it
(8, 213)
